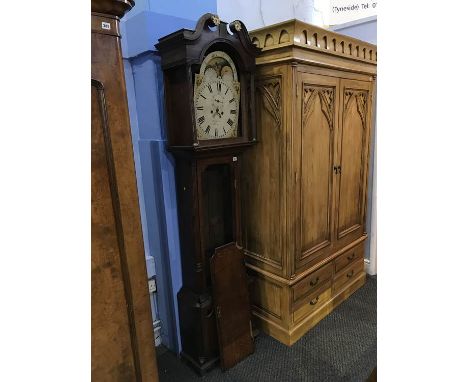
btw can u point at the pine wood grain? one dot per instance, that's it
(306, 182)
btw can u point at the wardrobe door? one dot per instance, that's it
(314, 138)
(354, 132)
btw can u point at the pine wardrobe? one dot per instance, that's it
(305, 182)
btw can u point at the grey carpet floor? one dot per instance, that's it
(342, 347)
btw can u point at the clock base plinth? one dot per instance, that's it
(200, 369)
(198, 330)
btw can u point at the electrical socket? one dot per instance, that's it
(152, 285)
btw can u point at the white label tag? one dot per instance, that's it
(105, 25)
(152, 286)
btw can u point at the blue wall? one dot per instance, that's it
(363, 29)
(140, 29)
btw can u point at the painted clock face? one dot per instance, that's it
(216, 98)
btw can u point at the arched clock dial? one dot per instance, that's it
(216, 110)
(216, 98)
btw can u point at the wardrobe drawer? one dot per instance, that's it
(349, 257)
(312, 282)
(312, 303)
(348, 275)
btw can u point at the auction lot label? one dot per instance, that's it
(343, 11)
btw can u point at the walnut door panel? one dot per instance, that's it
(110, 321)
(315, 137)
(352, 163)
(123, 340)
(264, 184)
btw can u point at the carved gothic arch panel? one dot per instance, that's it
(327, 102)
(361, 98)
(270, 90)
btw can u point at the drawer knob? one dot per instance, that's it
(314, 301)
(350, 257)
(350, 274)
(313, 283)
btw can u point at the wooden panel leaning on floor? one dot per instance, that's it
(305, 183)
(122, 345)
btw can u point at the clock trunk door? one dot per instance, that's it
(315, 182)
(218, 206)
(352, 164)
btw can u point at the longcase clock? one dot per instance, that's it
(209, 94)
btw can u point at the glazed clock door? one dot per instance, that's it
(315, 157)
(353, 158)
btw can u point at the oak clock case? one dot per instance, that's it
(209, 95)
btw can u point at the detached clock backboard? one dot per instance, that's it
(210, 114)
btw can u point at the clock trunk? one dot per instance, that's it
(208, 179)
